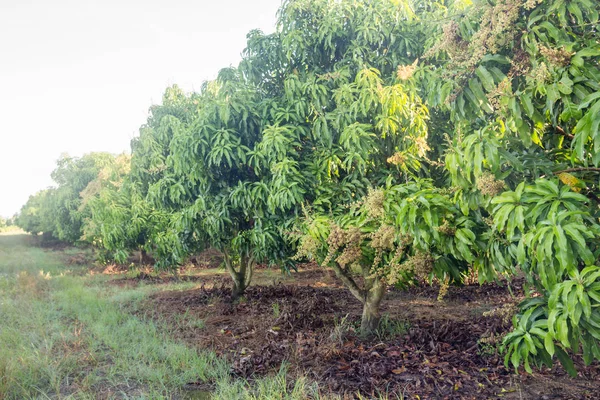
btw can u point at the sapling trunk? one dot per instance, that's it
(370, 296)
(238, 290)
(242, 277)
(143, 256)
(371, 316)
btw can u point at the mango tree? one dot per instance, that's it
(518, 82)
(120, 219)
(391, 237)
(134, 214)
(228, 207)
(349, 119)
(31, 217)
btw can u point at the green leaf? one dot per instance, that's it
(566, 362)
(549, 344)
(562, 331)
(527, 105)
(486, 78)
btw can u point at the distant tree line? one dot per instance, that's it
(7, 222)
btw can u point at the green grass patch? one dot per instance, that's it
(66, 334)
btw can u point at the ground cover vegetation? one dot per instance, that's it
(391, 141)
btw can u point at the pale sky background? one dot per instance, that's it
(79, 76)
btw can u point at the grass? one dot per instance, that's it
(276, 387)
(68, 334)
(389, 328)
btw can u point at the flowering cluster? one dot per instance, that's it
(488, 185)
(446, 228)
(505, 312)
(422, 146)
(451, 42)
(559, 57)
(497, 29)
(397, 159)
(405, 72)
(382, 240)
(520, 64)
(421, 264)
(531, 4)
(349, 239)
(540, 74)
(308, 248)
(395, 267)
(374, 203)
(444, 285)
(329, 75)
(503, 90)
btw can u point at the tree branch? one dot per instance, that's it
(565, 134)
(368, 277)
(578, 169)
(230, 268)
(350, 283)
(249, 271)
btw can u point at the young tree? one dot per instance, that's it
(226, 206)
(122, 221)
(118, 219)
(130, 211)
(391, 237)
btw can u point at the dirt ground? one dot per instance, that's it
(426, 349)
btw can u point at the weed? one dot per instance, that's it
(342, 327)
(390, 328)
(187, 320)
(273, 387)
(276, 310)
(489, 346)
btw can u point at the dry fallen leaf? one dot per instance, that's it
(399, 371)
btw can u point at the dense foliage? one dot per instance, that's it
(6, 222)
(390, 140)
(521, 93)
(60, 211)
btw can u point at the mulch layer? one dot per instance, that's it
(427, 348)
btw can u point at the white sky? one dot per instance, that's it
(79, 76)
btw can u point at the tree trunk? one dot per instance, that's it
(371, 315)
(242, 278)
(370, 319)
(143, 256)
(238, 290)
(370, 296)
